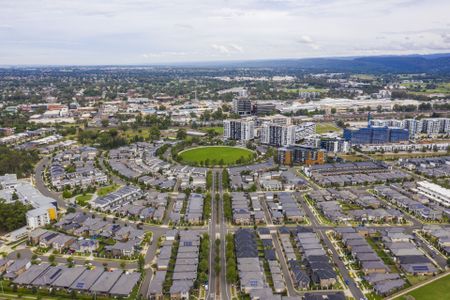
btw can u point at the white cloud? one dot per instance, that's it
(307, 40)
(146, 31)
(163, 54)
(227, 49)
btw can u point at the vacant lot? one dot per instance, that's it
(107, 189)
(327, 127)
(216, 155)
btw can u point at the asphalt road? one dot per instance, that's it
(212, 291)
(284, 267)
(149, 257)
(40, 184)
(278, 248)
(224, 287)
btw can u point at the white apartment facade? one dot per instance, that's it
(427, 126)
(241, 130)
(40, 217)
(276, 135)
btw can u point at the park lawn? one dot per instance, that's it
(326, 127)
(438, 289)
(229, 155)
(218, 129)
(83, 199)
(107, 189)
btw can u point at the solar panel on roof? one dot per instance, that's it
(80, 285)
(420, 268)
(56, 273)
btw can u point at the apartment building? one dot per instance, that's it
(240, 130)
(276, 135)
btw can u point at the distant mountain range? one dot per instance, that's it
(432, 64)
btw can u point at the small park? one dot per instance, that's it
(210, 156)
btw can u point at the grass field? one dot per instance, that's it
(364, 76)
(218, 130)
(107, 189)
(214, 155)
(326, 127)
(83, 199)
(420, 88)
(130, 133)
(439, 289)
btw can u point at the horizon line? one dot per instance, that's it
(218, 62)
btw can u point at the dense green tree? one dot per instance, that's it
(18, 162)
(12, 215)
(155, 134)
(105, 122)
(181, 134)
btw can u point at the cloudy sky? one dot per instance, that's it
(159, 31)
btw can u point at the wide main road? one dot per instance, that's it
(213, 289)
(224, 288)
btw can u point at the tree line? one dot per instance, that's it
(12, 215)
(20, 162)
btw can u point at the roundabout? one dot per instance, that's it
(216, 156)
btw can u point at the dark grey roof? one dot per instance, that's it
(270, 254)
(413, 259)
(50, 275)
(87, 279)
(31, 274)
(106, 281)
(125, 284)
(68, 276)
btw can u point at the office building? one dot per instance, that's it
(376, 135)
(301, 154)
(239, 130)
(276, 135)
(264, 108)
(242, 106)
